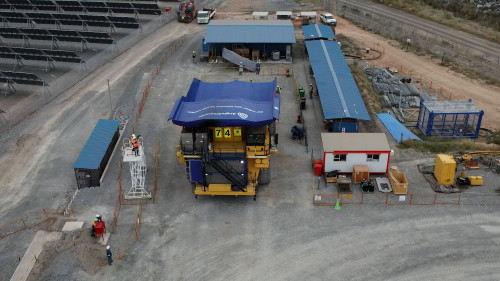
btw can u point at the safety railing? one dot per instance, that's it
(36, 219)
(156, 166)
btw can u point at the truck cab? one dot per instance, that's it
(205, 15)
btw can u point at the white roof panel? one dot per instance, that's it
(260, 14)
(308, 14)
(354, 142)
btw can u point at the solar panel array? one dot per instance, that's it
(56, 34)
(69, 19)
(39, 54)
(58, 13)
(20, 78)
(82, 6)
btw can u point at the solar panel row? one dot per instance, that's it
(20, 78)
(39, 54)
(70, 19)
(82, 6)
(55, 34)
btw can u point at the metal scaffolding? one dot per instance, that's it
(137, 164)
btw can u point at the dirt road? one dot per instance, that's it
(476, 45)
(34, 146)
(461, 87)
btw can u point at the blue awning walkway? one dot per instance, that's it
(338, 92)
(398, 131)
(314, 31)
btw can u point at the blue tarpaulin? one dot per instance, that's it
(97, 144)
(235, 103)
(397, 130)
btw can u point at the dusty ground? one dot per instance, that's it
(281, 236)
(78, 245)
(462, 88)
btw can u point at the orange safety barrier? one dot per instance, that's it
(32, 220)
(154, 73)
(387, 199)
(132, 237)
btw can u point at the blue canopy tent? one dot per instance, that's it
(235, 103)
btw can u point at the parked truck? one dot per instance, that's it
(186, 12)
(227, 136)
(205, 15)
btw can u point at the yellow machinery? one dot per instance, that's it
(227, 160)
(468, 158)
(228, 135)
(445, 170)
(471, 155)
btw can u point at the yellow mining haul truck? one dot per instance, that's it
(227, 160)
(228, 135)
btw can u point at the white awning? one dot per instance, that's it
(260, 14)
(308, 14)
(284, 13)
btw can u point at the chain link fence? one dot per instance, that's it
(59, 84)
(420, 41)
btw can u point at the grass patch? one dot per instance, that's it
(370, 97)
(456, 15)
(443, 145)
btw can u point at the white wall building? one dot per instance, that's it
(342, 151)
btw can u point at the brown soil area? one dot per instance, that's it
(90, 255)
(461, 88)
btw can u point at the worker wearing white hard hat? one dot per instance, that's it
(109, 255)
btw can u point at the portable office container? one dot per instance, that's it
(95, 155)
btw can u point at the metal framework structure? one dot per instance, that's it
(450, 118)
(138, 170)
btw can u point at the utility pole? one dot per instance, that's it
(110, 103)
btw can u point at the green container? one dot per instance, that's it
(301, 92)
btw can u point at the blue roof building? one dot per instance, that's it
(339, 95)
(315, 31)
(263, 35)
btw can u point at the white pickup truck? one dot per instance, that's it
(328, 19)
(205, 15)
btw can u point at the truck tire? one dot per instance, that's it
(272, 128)
(265, 176)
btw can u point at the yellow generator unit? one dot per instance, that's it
(476, 180)
(444, 170)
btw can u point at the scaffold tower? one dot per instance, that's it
(137, 164)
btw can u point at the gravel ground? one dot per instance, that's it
(281, 236)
